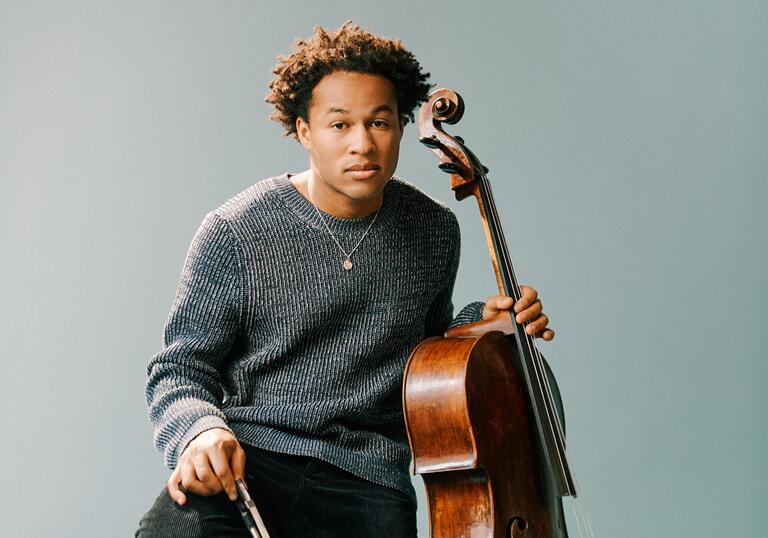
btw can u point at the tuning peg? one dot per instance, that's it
(450, 168)
(485, 169)
(431, 142)
(461, 140)
(434, 143)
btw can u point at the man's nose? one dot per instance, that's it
(362, 141)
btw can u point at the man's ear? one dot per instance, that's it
(302, 130)
(401, 121)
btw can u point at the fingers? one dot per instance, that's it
(207, 466)
(532, 312)
(537, 325)
(527, 309)
(193, 475)
(498, 303)
(539, 329)
(224, 474)
(173, 488)
(528, 298)
(189, 480)
(207, 482)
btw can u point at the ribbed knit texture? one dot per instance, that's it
(270, 338)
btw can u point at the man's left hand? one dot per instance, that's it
(528, 308)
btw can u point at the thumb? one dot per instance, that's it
(237, 462)
(496, 304)
(173, 488)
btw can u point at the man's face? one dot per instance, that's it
(353, 138)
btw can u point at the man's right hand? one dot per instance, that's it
(208, 465)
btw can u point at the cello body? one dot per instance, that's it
(474, 443)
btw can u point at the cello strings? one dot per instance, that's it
(582, 518)
(578, 506)
(517, 294)
(541, 374)
(580, 513)
(508, 268)
(536, 363)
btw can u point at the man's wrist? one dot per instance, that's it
(202, 424)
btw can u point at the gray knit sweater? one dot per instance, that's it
(270, 338)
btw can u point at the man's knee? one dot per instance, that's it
(166, 519)
(200, 517)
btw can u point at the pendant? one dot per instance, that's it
(347, 265)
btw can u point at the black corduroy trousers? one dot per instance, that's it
(297, 497)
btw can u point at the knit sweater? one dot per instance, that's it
(272, 339)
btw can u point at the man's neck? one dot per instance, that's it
(339, 206)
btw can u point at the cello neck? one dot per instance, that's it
(550, 429)
(497, 243)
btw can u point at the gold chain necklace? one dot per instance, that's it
(347, 263)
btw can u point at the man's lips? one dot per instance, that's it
(363, 167)
(363, 171)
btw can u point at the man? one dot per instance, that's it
(299, 303)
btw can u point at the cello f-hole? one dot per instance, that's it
(516, 527)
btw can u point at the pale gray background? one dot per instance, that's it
(627, 142)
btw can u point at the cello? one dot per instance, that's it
(482, 409)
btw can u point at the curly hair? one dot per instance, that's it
(347, 49)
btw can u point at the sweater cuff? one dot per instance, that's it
(469, 314)
(199, 426)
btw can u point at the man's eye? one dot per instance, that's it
(338, 125)
(379, 123)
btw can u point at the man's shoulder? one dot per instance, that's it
(418, 204)
(258, 197)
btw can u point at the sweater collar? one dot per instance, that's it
(304, 209)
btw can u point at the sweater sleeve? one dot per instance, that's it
(184, 392)
(440, 316)
(469, 314)
(441, 311)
